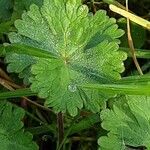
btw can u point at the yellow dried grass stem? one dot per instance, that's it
(131, 16)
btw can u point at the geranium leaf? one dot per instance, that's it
(86, 47)
(128, 123)
(12, 136)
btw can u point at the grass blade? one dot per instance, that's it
(16, 93)
(129, 89)
(25, 49)
(143, 80)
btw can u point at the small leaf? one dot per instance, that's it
(128, 123)
(12, 136)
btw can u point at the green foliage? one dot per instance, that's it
(133, 85)
(138, 34)
(2, 50)
(128, 123)
(25, 4)
(84, 44)
(85, 123)
(5, 9)
(12, 135)
(70, 61)
(140, 53)
(10, 10)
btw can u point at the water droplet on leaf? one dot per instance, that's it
(72, 88)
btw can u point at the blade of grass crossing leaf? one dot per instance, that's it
(16, 93)
(32, 51)
(145, 79)
(120, 88)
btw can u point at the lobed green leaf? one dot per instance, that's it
(127, 123)
(12, 135)
(86, 47)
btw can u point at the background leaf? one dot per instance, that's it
(5, 9)
(128, 123)
(12, 136)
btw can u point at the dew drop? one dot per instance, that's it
(72, 88)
